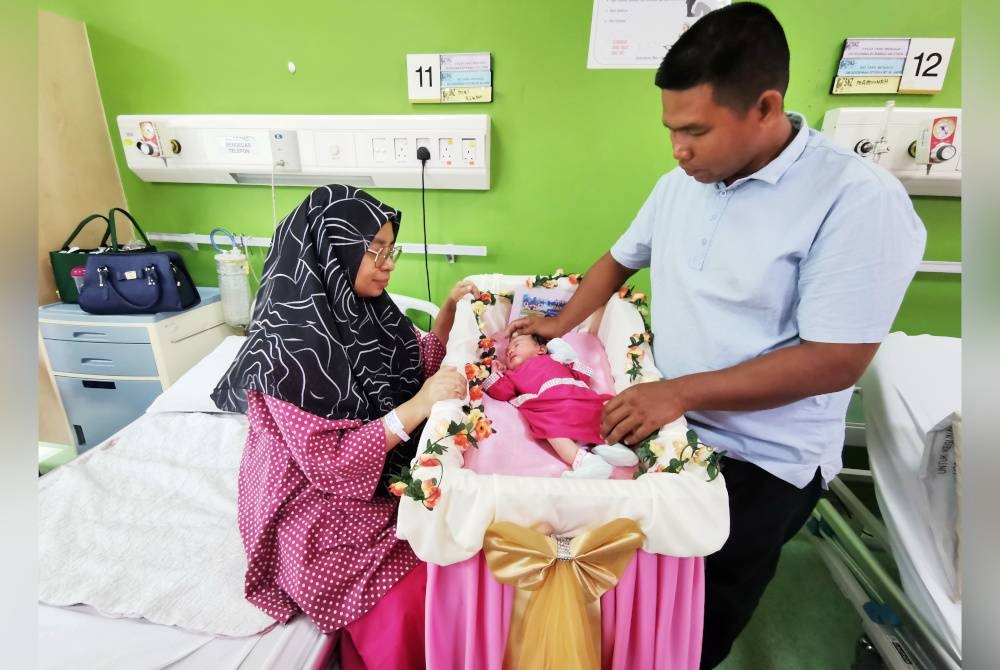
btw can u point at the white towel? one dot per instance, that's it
(144, 526)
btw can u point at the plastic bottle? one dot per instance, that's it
(234, 287)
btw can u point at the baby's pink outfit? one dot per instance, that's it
(553, 398)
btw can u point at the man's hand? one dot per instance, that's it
(547, 327)
(637, 411)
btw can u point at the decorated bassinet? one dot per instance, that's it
(484, 504)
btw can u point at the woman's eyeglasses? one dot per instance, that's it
(385, 253)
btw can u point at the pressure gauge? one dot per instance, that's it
(944, 128)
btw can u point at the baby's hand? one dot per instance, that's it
(499, 366)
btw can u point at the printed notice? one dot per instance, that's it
(894, 47)
(235, 146)
(635, 34)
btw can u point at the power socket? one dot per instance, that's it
(401, 147)
(285, 150)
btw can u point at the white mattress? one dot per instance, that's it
(911, 391)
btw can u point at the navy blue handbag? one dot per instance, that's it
(137, 283)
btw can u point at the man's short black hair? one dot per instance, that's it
(740, 50)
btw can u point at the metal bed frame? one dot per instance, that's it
(848, 536)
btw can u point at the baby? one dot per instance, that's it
(557, 404)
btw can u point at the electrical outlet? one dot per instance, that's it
(380, 149)
(401, 147)
(469, 150)
(426, 143)
(446, 150)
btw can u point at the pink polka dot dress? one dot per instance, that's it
(317, 538)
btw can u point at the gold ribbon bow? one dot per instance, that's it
(556, 621)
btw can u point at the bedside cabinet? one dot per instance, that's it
(108, 369)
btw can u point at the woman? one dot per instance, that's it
(334, 379)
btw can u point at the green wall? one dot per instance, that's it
(574, 151)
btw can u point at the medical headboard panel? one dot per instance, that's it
(379, 150)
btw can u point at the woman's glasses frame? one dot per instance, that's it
(385, 253)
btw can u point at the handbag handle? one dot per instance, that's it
(111, 285)
(111, 228)
(79, 227)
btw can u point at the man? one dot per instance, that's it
(778, 262)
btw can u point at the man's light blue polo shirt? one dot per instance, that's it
(817, 245)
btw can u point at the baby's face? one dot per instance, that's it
(520, 349)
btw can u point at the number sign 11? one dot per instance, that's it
(926, 65)
(423, 77)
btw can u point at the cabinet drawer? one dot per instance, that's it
(77, 332)
(97, 409)
(101, 358)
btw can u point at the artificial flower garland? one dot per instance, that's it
(474, 427)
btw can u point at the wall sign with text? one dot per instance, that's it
(893, 65)
(465, 77)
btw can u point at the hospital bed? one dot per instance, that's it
(162, 489)
(142, 529)
(900, 569)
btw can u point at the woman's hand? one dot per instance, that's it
(445, 384)
(459, 290)
(446, 316)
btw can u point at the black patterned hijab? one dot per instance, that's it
(312, 340)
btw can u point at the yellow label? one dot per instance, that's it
(847, 85)
(467, 94)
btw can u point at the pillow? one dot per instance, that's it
(191, 392)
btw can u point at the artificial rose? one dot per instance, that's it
(636, 352)
(656, 448)
(485, 343)
(623, 291)
(471, 371)
(479, 308)
(428, 461)
(483, 429)
(397, 488)
(573, 279)
(701, 455)
(679, 447)
(476, 392)
(431, 493)
(461, 440)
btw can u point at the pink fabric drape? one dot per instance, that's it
(652, 619)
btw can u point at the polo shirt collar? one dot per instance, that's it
(774, 170)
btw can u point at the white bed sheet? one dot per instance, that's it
(79, 637)
(912, 385)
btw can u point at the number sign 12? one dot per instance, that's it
(926, 65)
(423, 77)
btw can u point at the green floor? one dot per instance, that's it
(803, 622)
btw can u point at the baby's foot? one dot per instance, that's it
(616, 454)
(589, 466)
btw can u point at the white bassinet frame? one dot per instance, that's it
(681, 514)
